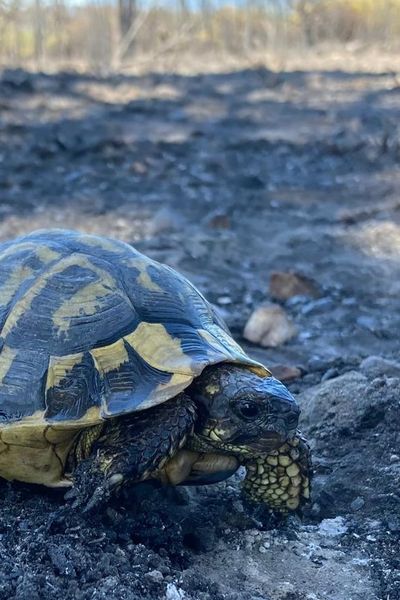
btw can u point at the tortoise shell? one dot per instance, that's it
(92, 329)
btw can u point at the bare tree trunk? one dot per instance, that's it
(182, 9)
(206, 15)
(38, 35)
(126, 17)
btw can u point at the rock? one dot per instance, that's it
(60, 561)
(174, 593)
(286, 284)
(368, 323)
(330, 374)
(139, 167)
(316, 363)
(165, 220)
(357, 503)
(155, 576)
(269, 326)
(333, 527)
(286, 590)
(393, 523)
(337, 403)
(218, 220)
(285, 372)
(376, 366)
(196, 245)
(224, 300)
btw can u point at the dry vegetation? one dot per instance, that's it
(105, 34)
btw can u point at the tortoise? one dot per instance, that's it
(114, 369)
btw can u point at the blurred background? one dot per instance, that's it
(255, 147)
(106, 35)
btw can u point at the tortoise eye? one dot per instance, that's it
(249, 410)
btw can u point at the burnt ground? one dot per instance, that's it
(228, 176)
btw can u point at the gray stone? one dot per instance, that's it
(333, 527)
(357, 503)
(367, 323)
(165, 220)
(337, 403)
(376, 366)
(330, 374)
(155, 575)
(174, 593)
(316, 363)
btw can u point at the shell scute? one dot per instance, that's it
(114, 331)
(73, 387)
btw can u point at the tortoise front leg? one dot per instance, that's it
(131, 448)
(281, 479)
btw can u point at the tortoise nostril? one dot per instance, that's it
(283, 411)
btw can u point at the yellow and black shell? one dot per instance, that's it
(92, 329)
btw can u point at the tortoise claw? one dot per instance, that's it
(92, 488)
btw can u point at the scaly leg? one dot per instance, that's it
(131, 448)
(281, 479)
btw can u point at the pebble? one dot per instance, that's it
(357, 503)
(165, 220)
(286, 588)
(360, 562)
(318, 364)
(376, 366)
(219, 221)
(269, 326)
(330, 374)
(285, 372)
(174, 593)
(393, 524)
(224, 300)
(349, 301)
(368, 323)
(155, 575)
(305, 335)
(333, 527)
(286, 284)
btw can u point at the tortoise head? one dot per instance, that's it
(243, 413)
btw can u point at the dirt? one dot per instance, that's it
(228, 177)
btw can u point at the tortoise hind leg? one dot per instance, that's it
(131, 448)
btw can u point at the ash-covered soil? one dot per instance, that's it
(228, 177)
